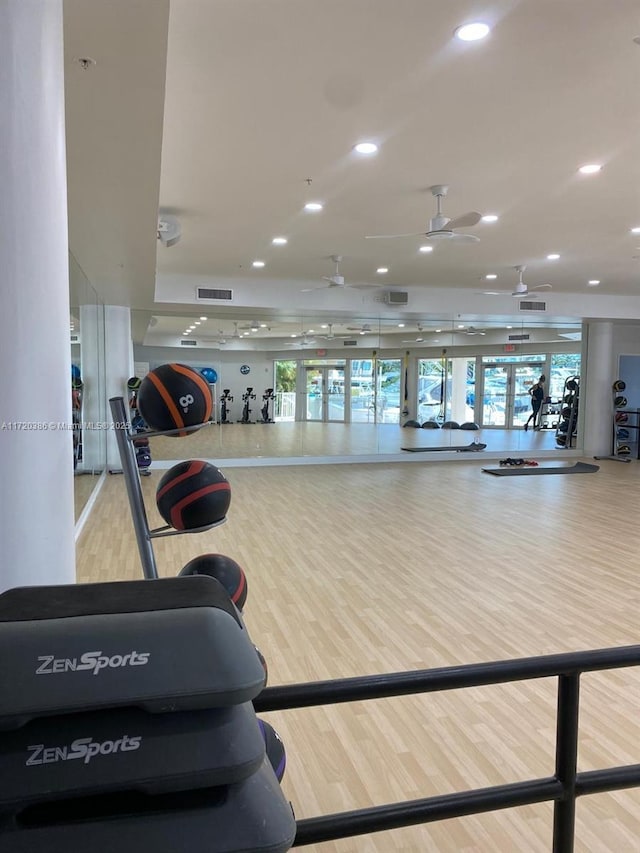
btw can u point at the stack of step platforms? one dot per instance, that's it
(127, 724)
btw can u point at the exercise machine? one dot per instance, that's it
(226, 398)
(246, 411)
(267, 397)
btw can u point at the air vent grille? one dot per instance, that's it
(210, 293)
(532, 306)
(189, 342)
(518, 337)
(350, 343)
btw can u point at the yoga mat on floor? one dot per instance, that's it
(473, 448)
(578, 468)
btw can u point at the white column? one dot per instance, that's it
(118, 347)
(459, 390)
(36, 464)
(595, 389)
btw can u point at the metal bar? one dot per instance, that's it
(609, 779)
(316, 830)
(134, 489)
(445, 678)
(564, 813)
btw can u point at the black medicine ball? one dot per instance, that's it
(193, 494)
(174, 396)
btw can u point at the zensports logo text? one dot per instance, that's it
(84, 748)
(93, 662)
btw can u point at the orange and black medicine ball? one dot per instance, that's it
(173, 397)
(193, 494)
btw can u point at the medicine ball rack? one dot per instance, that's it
(144, 534)
(567, 428)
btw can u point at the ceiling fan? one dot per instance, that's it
(330, 336)
(417, 340)
(337, 280)
(521, 288)
(440, 226)
(471, 330)
(363, 329)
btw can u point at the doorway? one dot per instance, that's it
(324, 394)
(505, 393)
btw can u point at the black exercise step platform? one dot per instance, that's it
(162, 645)
(126, 749)
(249, 817)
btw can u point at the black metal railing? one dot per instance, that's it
(563, 788)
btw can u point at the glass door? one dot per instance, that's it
(324, 394)
(505, 393)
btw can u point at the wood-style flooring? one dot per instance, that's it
(361, 569)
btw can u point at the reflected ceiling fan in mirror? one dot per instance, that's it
(417, 340)
(471, 330)
(521, 288)
(441, 227)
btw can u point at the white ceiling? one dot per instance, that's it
(219, 110)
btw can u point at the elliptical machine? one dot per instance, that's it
(267, 397)
(224, 409)
(246, 411)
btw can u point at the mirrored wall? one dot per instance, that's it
(320, 386)
(86, 328)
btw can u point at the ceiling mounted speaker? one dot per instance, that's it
(169, 230)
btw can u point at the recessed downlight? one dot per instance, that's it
(401, 325)
(590, 169)
(472, 32)
(489, 217)
(258, 264)
(365, 148)
(197, 323)
(425, 249)
(313, 206)
(593, 282)
(490, 276)
(461, 326)
(279, 241)
(382, 270)
(203, 318)
(635, 230)
(553, 256)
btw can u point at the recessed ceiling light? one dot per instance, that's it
(382, 270)
(438, 331)
(461, 326)
(401, 325)
(491, 276)
(263, 325)
(490, 217)
(294, 336)
(313, 206)
(197, 323)
(279, 241)
(365, 148)
(258, 264)
(593, 282)
(472, 32)
(590, 168)
(425, 249)
(203, 318)
(635, 230)
(324, 326)
(311, 331)
(553, 257)
(192, 327)
(509, 327)
(362, 333)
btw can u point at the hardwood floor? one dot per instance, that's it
(359, 569)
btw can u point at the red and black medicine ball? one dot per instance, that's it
(193, 494)
(223, 569)
(174, 396)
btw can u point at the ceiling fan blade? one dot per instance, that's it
(542, 287)
(392, 236)
(464, 238)
(365, 286)
(465, 221)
